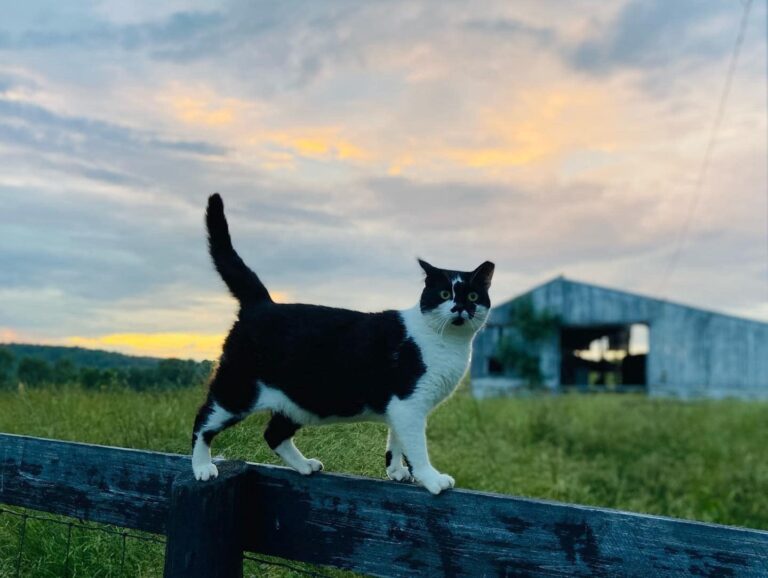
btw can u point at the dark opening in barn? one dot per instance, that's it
(604, 356)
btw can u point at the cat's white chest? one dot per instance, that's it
(446, 364)
(445, 358)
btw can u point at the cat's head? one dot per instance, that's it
(456, 300)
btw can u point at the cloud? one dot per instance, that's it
(512, 28)
(254, 32)
(542, 124)
(195, 147)
(185, 28)
(465, 218)
(650, 34)
(347, 138)
(12, 82)
(37, 127)
(197, 111)
(318, 142)
(95, 249)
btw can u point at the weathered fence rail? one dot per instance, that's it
(370, 526)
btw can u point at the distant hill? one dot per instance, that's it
(80, 356)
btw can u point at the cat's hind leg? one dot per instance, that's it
(211, 419)
(279, 437)
(230, 400)
(394, 460)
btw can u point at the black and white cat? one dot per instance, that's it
(309, 364)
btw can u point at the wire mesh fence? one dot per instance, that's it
(256, 565)
(41, 545)
(38, 545)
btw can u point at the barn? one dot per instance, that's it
(566, 335)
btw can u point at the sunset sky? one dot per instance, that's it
(348, 138)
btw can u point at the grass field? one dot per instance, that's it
(700, 460)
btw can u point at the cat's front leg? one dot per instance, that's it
(394, 460)
(409, 423)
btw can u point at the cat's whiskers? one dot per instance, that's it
(443, 324)
(412, 359)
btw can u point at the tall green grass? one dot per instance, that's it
(700, 460)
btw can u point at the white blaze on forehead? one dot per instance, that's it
(456, 281)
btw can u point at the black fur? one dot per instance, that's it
(209, 434)
(279, 429)
(243, 283)
(388, 457)
(438, 281)
(330, 362)
(202, 416)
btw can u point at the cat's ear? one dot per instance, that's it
(483, 274)
(428, 269)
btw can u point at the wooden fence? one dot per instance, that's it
(369, 526)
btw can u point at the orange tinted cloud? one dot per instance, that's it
(202, 107)
(539, 126)
(195, 111)
(319, 142)
(400, 163)
(8, 335)
(246, 123)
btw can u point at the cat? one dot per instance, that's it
(310, 364)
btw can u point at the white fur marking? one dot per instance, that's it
(396, 470)
(409, 425)
(202, 466)
(295, 459)
(275, 400)
(446, 350)
(445, 355)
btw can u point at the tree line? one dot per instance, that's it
(37, 372)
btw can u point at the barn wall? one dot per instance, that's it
(701, 354)
(693, 353)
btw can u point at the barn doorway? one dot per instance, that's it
(609, 357)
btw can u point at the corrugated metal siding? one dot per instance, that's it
(693, 353)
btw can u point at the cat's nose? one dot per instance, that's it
(458, 309)
(461, 310)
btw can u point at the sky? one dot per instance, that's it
(348, 138)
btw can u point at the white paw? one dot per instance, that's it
(309, 466)
(399, 473)
(316, 465)
(436, 482)
(204, 472)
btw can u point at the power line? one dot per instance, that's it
(704, 168)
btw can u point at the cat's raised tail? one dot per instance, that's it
(243, 283)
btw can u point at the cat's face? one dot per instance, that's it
(456, 300)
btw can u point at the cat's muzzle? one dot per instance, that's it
(462, 316)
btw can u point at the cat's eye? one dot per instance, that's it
(472, 296)
(444, 294)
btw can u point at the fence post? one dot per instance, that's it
(204, 528)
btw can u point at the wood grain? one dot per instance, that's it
(377, 527)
